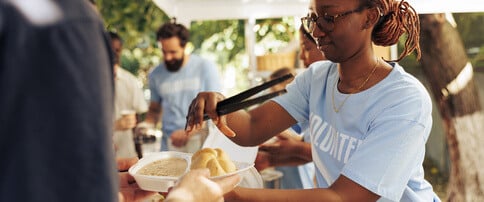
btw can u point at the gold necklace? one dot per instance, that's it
(357, 90)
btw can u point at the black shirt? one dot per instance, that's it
(56, 103)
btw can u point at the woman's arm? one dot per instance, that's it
(260, 124)
(250, 127)
(342, 190)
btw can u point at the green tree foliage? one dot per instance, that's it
(225, 37)
(222, 41)
(136, 22)
(410, 62)
(470, 28)
(279, 29)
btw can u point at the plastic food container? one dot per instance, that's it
(163, 183)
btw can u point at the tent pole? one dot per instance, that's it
(250, 47)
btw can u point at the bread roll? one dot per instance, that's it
(216, 160)
(215, 168)
(206, 151)
(227, 165)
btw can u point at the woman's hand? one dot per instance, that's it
(206, 103)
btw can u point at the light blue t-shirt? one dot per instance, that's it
(307, 171)
(176, 90)
(298, 177)
(378, 137)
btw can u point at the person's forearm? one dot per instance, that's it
(258, 125)
(152, 117)
(254, 195)
(240, 123)
(153, 114)
(290, 161)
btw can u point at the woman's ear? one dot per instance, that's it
(373, 16)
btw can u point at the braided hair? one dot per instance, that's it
(397, 18)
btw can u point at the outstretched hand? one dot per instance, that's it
(128, 189)
(196, 186)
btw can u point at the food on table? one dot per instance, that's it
(216, 160)
(173, 167)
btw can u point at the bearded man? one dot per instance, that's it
(175, 83)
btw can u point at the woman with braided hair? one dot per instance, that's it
(368, 119)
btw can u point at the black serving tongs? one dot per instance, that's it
(237, 102)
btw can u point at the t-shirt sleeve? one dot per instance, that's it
(296, 100)
(393, 148)
(154, 96)
(212, 78)
(139, 101)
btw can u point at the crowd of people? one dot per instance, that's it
(68, 109)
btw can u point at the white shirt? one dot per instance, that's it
(128, 96)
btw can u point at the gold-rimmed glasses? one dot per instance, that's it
(325, 22)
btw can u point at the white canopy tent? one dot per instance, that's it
(187, 11)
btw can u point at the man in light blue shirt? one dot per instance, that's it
(174, 83)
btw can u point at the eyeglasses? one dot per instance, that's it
(325, 22)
